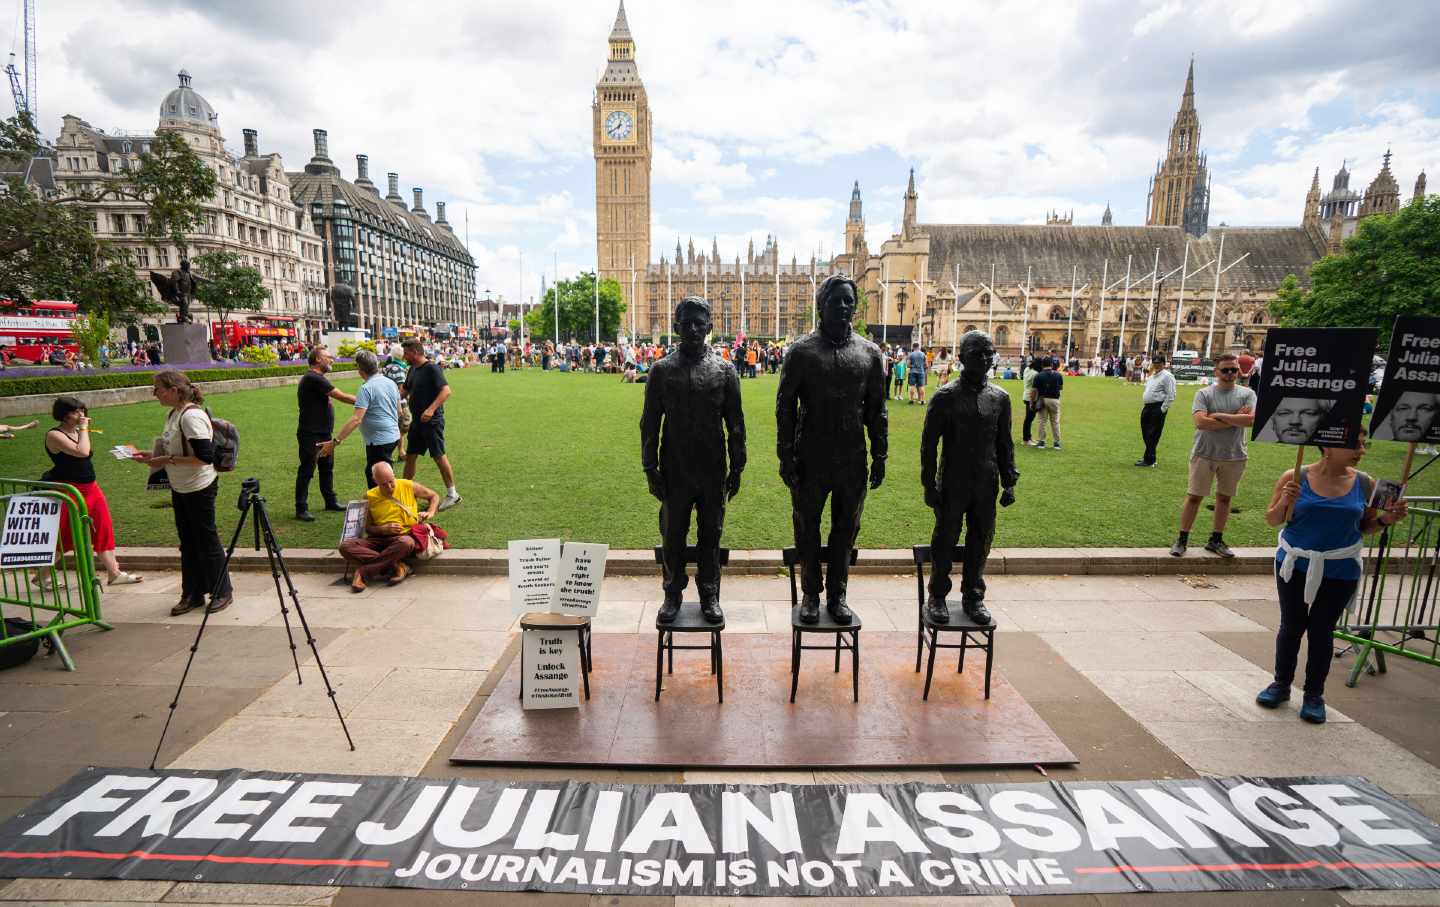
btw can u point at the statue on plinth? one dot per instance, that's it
(972, 419)
(691, 418)
(178, 289)
(832, 394)
(342, 301)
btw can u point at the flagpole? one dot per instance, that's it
(1104, 288)
(597, 301)
(557, 301)
(1124, 310)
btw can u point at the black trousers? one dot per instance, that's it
(707, 499)
(1030, 412)
(976, 511)
(1315, 621)
(309, 462)
(202, 557)
(1152, 426)
(377, 453)
(845, 486)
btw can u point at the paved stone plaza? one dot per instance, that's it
(1141, 676)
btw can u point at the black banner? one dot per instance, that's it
(885, 840)
(1409, 397)
(1312, 386)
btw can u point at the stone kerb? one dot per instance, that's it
(33, 404)
(763, 562)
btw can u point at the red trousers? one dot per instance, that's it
(377, 556)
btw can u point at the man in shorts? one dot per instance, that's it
(1223, 412)
(427, 390)
(915, 373)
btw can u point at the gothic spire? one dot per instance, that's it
(909, 190)
(1187, 100)
(621, 30)
(1107, 219)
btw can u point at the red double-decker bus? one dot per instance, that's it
(255, 328)
(33, 330)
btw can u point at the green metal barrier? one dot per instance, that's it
(1399, 608)
(52, 598)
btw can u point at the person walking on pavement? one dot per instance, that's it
(1154, 404)
(1047, 397)
(376, 415)
(427, 390)
(316, 425)
(1222, 412)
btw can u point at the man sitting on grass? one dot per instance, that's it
(390, 511)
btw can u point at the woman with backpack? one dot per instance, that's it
(186, 451)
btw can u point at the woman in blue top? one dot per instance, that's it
(1318, 565)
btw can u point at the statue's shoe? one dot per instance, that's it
(977, 612)
(810, 609)
(839, 611)
(669, 610)
(937, 612)
(710, 610)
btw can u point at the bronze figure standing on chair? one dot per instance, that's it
(972, 417)
(691, 416)
(832, 393)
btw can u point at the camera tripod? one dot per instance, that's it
(252, 506)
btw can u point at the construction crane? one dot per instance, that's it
(26, 98)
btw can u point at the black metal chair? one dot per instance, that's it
(927, 634)
(559, 623)
(847, 636)
(689, 621)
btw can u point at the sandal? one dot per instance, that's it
(125, 579)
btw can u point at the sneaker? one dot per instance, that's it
(1178, 549)
(450, 500)
(1143, 463)
(1312, 709)
(1273, 695)
(1218, 546)
(1056, 445)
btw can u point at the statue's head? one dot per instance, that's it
(693, 323)
(835, 303)
(185, 264)
(342, 293)
(977, 356)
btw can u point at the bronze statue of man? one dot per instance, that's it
(342, 300)
(177, 288)
(832, 393)
(971, 417)
(691, 417)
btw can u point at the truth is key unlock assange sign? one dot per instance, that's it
(892, 840)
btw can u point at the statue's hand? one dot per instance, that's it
(656, 481)
(732, 483)
(932, 496)
(1007, 497)
(877, 473)
(790, 474)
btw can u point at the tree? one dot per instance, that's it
(1390, 267)
(577, 310)
(862, 308)
(226, 285)
(174, 184)
(91, 332)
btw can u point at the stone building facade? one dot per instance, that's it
(252, 212)
(1180, 188)
(1336, 215)
(411, 274)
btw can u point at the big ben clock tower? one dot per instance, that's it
(621, 138)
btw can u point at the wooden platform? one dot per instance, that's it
(622, 725)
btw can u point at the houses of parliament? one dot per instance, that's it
(1104, 288)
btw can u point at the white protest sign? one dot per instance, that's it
(582, 569)
(32, 527)
(551, 676)
(533, 566)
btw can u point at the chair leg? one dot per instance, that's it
(670, 654)
(794, 662)
(919, 643)
(720, 666)
(837, 652)
(584, 663)
(930, 665)
(964, 643)
(659, 662)
(989, 660)
(855, 663)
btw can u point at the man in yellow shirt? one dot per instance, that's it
(391, 509)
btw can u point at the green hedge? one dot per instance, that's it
(65, 384)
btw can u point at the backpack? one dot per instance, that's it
(225, 438)
(13, 656)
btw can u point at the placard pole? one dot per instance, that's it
(1295, 476)
(1405, 471)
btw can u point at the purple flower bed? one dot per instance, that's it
(45, 371)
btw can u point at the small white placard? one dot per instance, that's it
(533, 570)
(552, 669)
(582, 569)
(32, 527)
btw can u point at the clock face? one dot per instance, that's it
(618, 125)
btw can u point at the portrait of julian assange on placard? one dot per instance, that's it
(1411, 418)
(1409, 396)
(1312, 388)
(1296, 420)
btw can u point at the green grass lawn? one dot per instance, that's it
(545, 455)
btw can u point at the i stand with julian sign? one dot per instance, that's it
(556, 589)
(32, 528)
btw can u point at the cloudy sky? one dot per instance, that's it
(766, 113)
